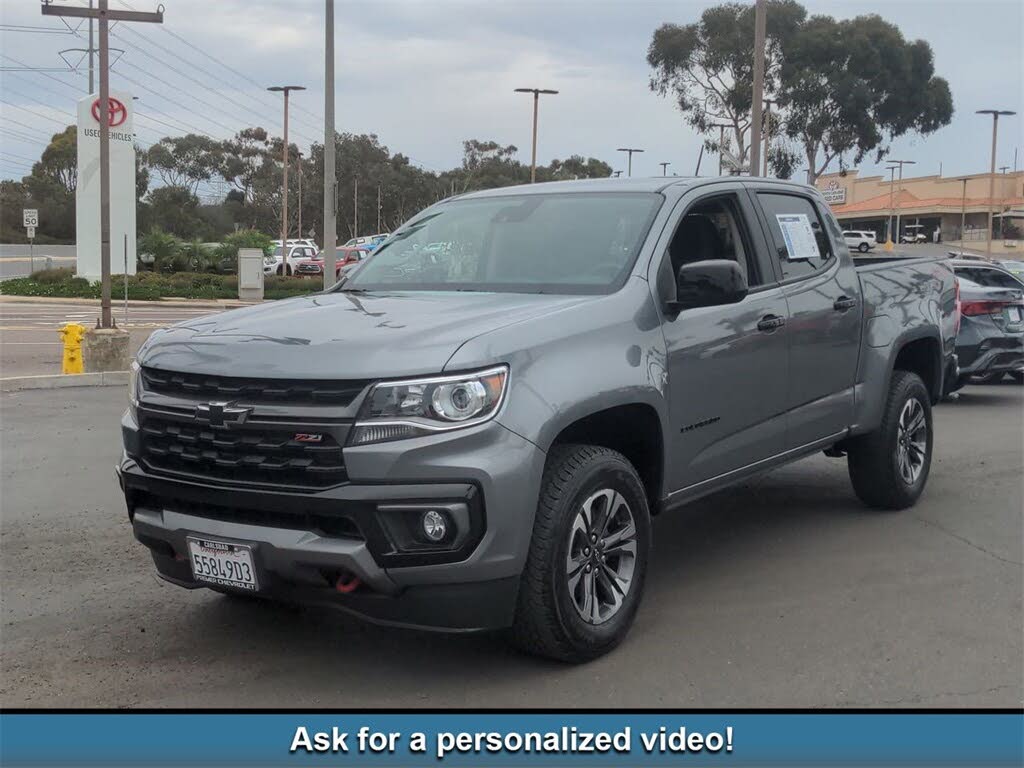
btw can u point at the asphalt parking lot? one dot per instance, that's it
(781, 592)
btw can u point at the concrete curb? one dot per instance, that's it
(62, 381)
(199, 303)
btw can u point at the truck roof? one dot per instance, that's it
(634, 184)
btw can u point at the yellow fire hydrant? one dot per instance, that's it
(71, 334)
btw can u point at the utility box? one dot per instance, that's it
(250, 274)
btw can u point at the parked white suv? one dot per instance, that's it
(857, 240)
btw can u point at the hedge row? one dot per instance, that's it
(152, 286)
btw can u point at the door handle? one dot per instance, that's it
(769, 323)
(844, 303)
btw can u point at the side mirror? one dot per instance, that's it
(709, 283)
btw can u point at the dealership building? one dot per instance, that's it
(932, 205)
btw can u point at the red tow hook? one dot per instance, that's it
(346, 586)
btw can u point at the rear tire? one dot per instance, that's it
(584, 573)
(889, 467)
(863, 247)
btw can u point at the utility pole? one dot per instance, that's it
(355, 207)
(536, 99)
(285, 89)
(664, 168)
(629, 151)
(767, 131)
(105, 16)
(963, 214)
(330, 185)
(378, 209)
(758, 95)
(992, 172)
(92, 82)
(899, 164)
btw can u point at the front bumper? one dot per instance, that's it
(304, 543)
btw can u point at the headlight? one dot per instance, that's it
(133, 386)
(398, 409)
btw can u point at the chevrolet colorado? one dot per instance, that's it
(477, 436)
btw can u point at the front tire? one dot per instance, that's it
(863, 247)
(889, 467)
(584, 574)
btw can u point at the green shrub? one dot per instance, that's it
(151, 286)
(58, 275)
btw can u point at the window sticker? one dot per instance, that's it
(799, 236)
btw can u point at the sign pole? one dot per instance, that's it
(126, 280)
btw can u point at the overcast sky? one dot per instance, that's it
(426, 74)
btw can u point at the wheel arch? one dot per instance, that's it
(634, 429)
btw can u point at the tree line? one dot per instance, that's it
(377, 190)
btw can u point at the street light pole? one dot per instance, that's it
(664, 168)
(536, 99)
(285, 89)
(888, 223)
(330, 185)
(629, 151)
(992, 171)
(900, 164)
(721, 142)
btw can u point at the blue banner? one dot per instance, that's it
(498, 739)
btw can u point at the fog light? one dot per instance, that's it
(435, 527)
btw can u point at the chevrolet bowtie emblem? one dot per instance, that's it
(222, 414)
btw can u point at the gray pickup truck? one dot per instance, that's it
(475, 428)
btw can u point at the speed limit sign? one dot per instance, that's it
(30, 217)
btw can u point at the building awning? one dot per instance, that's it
(1013, 213)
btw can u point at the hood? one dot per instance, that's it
(342, 335)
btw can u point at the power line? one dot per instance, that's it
(262, 102)
(30, 111)
(214, 59)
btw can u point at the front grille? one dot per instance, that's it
(335, 525)
(290, 391)
(270, 457)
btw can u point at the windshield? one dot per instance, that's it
(548, 243)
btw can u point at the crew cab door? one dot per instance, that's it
(726, 364)
(823, 292)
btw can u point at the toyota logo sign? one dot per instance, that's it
(117, 110)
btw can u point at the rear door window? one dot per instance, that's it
(798, 234)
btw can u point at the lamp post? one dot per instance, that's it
(899, 164)
(629, 151)
(285, 89)
(721, 142)
(992, 171)
(536, 99)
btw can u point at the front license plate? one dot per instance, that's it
(217, 562)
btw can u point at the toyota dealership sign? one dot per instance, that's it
(122, 185)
